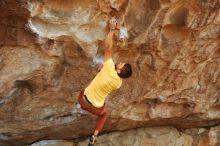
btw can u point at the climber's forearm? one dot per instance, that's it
(108, 45)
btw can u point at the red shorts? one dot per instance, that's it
(100, 112)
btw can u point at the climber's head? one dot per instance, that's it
(123, 69)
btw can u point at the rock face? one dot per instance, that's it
(160, 136)
(49, 51)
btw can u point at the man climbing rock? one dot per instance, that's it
(108, 79)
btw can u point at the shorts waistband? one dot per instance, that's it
(86, 99)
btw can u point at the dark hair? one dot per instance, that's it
(126, 71)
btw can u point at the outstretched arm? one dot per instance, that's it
(113, 24)
(108, 45)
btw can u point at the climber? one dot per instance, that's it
(108, 79)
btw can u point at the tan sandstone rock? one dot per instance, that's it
(50, 51)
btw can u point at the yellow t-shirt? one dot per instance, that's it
(104, 82)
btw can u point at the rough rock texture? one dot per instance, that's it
(49, 51)
(160, 136)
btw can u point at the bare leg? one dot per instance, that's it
(96, 132)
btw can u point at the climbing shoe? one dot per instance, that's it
(92, 140)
